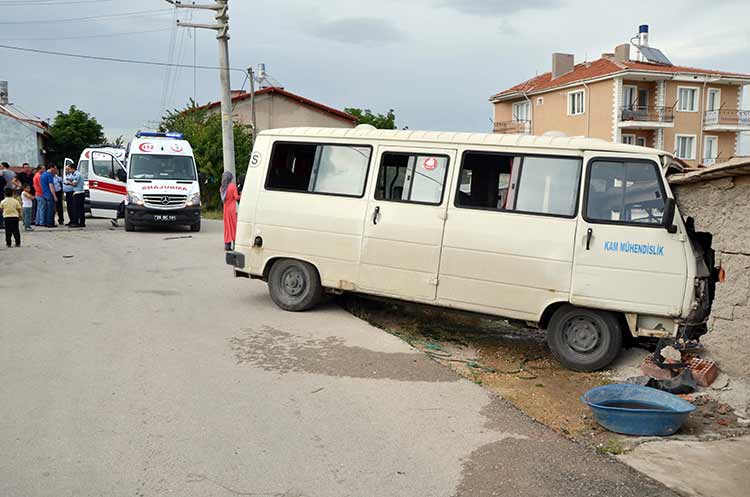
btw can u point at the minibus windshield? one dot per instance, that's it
(167, 167)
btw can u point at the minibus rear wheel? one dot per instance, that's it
(294, 285)
(584, 339)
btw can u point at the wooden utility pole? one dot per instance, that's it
(221, 8)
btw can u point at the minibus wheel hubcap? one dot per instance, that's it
(293, 282)
(582, 334)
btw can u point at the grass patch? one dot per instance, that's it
(212, 214)
(611, 446)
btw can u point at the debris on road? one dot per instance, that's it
(178, 237)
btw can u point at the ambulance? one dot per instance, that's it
(160, 181)
(580, 237)
(104, 178)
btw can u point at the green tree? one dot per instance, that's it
(71, 132)
(380, 121)
(202, 128)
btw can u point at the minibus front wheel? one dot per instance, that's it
(294, 285)
(584, 339)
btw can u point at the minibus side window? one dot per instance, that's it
(625, 192)
(413, 178)
(103, 165)
(527, 184)
(318, 168)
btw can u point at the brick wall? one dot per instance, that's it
(722, 207)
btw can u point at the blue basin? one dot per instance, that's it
(637, 410)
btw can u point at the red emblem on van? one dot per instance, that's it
(177, 148)
(146, 147)
(430, 163)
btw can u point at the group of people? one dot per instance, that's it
(36, 197)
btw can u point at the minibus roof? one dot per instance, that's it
(576, 143)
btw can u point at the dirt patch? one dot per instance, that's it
(513, 360)
(282, 352)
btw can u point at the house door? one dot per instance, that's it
(625, 259)
(107, 184)
(403, 226)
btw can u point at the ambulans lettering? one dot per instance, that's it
(165, 187)
(634, 248)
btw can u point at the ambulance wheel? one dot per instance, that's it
(584, 339)
(129, 226)
(294, 285)
(196, 226)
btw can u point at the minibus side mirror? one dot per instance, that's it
(669, 208)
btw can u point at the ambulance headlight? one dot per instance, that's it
(194, 199)
(135, 198)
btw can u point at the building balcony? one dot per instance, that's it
(514, 127)
(726, 120)
(646, 117)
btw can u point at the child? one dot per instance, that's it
(12, 213)
(27, 201)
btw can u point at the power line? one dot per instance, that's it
(82, 37)
(32, 3)
(112, 59)
(138, 13)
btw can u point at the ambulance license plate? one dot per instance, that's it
(165, 218)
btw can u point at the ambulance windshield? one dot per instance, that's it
(166, 167)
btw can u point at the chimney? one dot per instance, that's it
(4, 93)
(562, 63)
(622, 52)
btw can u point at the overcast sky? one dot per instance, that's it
(435, 62)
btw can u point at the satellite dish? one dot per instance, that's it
(366, 127)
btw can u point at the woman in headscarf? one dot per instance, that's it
(230, 196)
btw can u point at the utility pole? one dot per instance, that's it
(253, 122)
(222, 27)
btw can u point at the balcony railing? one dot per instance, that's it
(513, 127)
(646, 113)
(727, 117)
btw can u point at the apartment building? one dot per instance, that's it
(695, 113)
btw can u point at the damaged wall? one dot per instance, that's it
(722, 207)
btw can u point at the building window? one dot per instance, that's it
(413, 178)
(713, 101)
(316, 168)
(687, 99)
(710, 149)
(540, 100)
(521, 112)
(628, 139)
(685, 146)
(576, 103)
(624, 191)
(640, 141)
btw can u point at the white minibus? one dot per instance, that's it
(579, 236)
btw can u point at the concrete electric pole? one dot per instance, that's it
(222, 26)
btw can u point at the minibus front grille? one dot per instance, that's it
(164, 201)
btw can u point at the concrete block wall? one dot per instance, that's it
(722, 207)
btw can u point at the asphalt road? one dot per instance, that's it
(134, 364)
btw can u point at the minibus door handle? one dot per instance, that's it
(589, 232)
(375, 215)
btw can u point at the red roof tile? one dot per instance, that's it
(603, 67)
(280, 91)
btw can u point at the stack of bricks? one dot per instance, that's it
(704, 371)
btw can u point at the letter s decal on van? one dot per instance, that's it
(255, 159)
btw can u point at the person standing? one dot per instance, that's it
(10, 176)
(49, 197)
(68, 192)
(25, 177)
(38, 197)
(230, 196)
(77, 213)
(59, 194)
(27, 203)
(2, 196)
(12, 213)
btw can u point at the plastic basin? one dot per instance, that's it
(637, 410)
